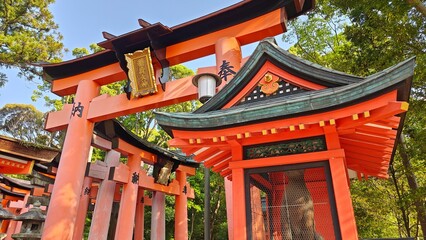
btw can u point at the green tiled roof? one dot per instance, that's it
(344, 90)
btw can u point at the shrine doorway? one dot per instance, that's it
(291, 202)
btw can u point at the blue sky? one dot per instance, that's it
(81, 23)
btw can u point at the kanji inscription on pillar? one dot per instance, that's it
(77, 110)
(135, 178)
(226, 70)
(86, 191)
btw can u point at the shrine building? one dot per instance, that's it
(290, 134)
(286, 134)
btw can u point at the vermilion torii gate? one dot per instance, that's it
(221, 33)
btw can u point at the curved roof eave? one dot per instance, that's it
(112, 128)
(164, 36)
(294, 105)
(268, 50)
(54, 71)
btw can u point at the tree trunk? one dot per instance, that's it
(215, 211)
(405, 218)
(418, 5)
(412, 183)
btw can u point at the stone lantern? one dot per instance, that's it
(32, 223)
(5, 214)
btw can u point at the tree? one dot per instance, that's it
(28, 35)
(361, 38)
(24, 122)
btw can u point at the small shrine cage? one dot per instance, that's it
(291, 202)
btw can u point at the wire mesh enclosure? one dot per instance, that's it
(294, 202)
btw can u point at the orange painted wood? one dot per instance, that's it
(379, 161)
(379, 165)
(277, 196)
(190, 171)
(392, 122)
(147, 182)
(98, 170)
(262, 181)
(219, 167)
(391, 109)
(371, 138)
(236, 150)
(343, 199)
(82, 209)
(121, 173)
(227, 49)
(331, 137)
(225, 172)
(360, 144)
(188, 150)
(94, 191)
(387, 124)
(181, 209)
(289, 159)
(367, 171)
(62, 212)
(102, 76)
(248, 32)
(177, 91)
(258, 224)
(239, 204)
(129, 196)
(104, 200)
(140, 215)
(368, 152)
(373, 168)
(9, 166)
(205, 154)
(37, 191)
(101, 143)
(390, 133)
(271, 68)
(283, 135)
(158, 216)
(215, 160)
(12, 226)
(378, 102)
(127, 149)
(58, 120)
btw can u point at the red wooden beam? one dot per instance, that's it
(289, 159)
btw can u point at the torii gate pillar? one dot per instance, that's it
(228, 51)
(62, 212)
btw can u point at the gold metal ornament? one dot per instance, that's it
(141, 73)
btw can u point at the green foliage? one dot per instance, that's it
(25, 122)
(362, 38)
(57, 104)
(27, 35)
(81, 52)
(144, 124)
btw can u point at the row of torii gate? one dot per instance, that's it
(221, 33)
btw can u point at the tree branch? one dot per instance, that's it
(418, 5)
